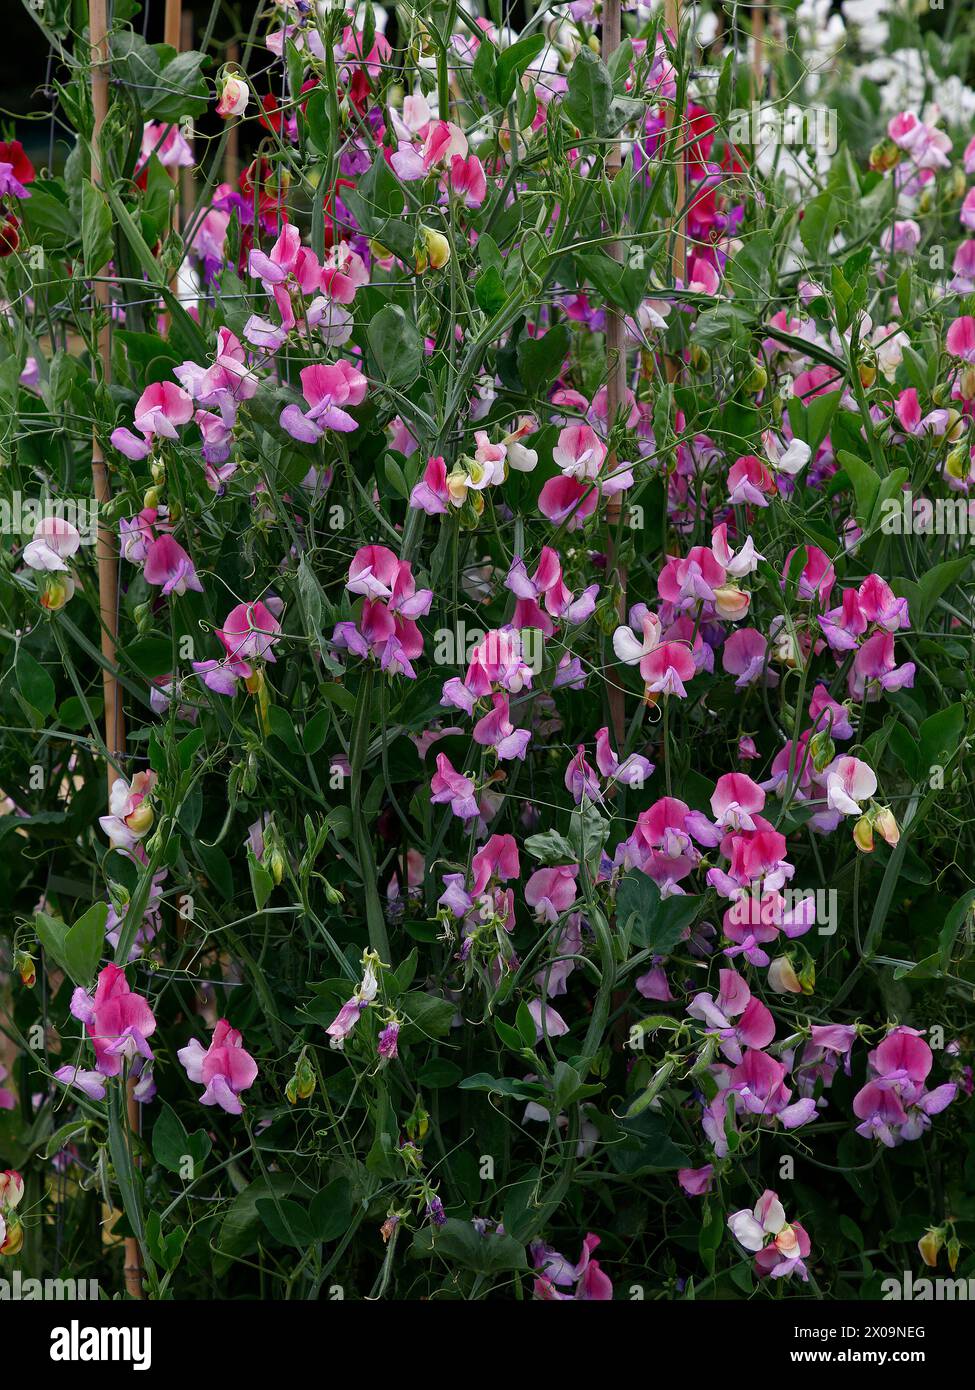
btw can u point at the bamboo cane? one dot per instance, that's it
(106, 548)
(615, 384)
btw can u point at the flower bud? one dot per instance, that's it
(140, 820)
(782, 977)
(56, 592)
(863, 835)
(758, 380)
(11, 1189)
(152, 497)
(234, 96)
(434, 252)
(884, 156)
(807, 976)
(14, 1238)
(276, 865)
(954, 1250)
(885, 821)
(24, 965)
(158, 471)
(930, 1245)
(700, 358)
(822, 750)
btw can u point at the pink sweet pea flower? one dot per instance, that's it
(734, 797)
(495, 730)
(696, 1182)
(167, 564)
(431, 494)
(552, 891)
(161, 408)
(497, 859)
(465, 177)
(450, 787)
(249, 633)
(225, 1068)
(750, 482)
(234, 96)
(556, 1273)
(327, 389)
(960, 340)
(566, 501)
(117, 1020)
(579, 452)
(632, 772)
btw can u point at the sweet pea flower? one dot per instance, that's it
(497, 859)
(632, 772)
(696, 1182)
(750, 482)
(431, 494)
(234, 96)
(55, 540)
(744, 655)
(130, 813)
(567, 502)
(348, 1016)
(755, 1027)
(117, 1020)
(327, 390)
(580, 452)
(552, 891)
(548, 1022)
(495, 730)
(225, 1068)
(781, 1256)
(450, 787)
(167, 564)
(556, 1273)
(960, 340)
(89, 1083)
(895, 1104)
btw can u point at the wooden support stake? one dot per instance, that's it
(106, 550)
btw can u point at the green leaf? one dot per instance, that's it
(331, 1210)
(262, 884)
(289, 1222)
(96, 229)
(540, 359)
(461, 1242)
(653, 922)
(396, 346)
(550, 847)
(34, 683)
(645, 1145)
(957, 917)
(512, 62)
(589, 101)
(78, 949)
(939, 737)
(490, 292)
(172, 1146)
(427, 1015)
